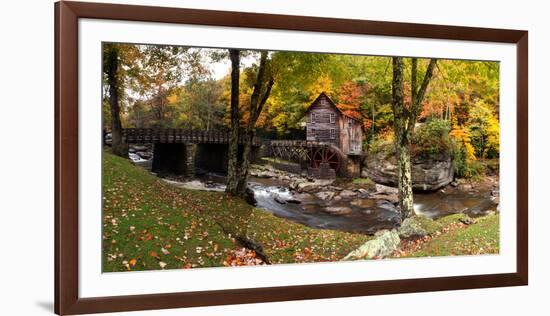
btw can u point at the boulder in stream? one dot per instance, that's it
(325, 195)
(393, 198)
(145, 154)
(303, 196)
(293, 200)
(364, 203)
(346, 194)
(428, 174)
(384, 189)
(279, 199)
(338, 210)
(313, 186)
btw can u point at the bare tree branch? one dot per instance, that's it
(418, 96)
(264, 98)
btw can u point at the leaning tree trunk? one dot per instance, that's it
(118, 147)
(233, 153)
(257, 102)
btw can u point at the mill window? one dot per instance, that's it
(332, 133)
(332, 117)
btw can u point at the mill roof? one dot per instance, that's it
(323, 94)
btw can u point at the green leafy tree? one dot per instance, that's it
(119, 61)
(484, 130)
(404, 123)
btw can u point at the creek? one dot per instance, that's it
(360, 212)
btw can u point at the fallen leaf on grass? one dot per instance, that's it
(154, 255)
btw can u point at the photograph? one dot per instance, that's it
(275, 157)
(227, 157)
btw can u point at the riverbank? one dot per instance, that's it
(349, 205)
(150, 224)
(456, 235)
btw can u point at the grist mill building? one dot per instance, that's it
(326, 123)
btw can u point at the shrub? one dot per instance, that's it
(382, 142)
(431, 139)
(485, 131)
(492, 165)
(464, 167)
(434, 139)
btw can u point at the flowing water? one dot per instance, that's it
(362, 215)
(313, 212)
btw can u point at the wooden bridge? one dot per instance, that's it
(178, 136)
(180, 151)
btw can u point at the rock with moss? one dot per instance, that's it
(385, 243)
(428, 172)
(412, 227)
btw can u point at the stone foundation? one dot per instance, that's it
(170, 158)
(352, 167)
(323, 172)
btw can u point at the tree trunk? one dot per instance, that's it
(400, 124)
(403, 126)
(404, 174)
(233, 153)
(257, 102)
(118, 147)
(245, 164)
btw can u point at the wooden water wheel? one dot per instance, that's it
(327, 155)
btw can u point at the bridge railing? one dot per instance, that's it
(299, 143)
(178, 135)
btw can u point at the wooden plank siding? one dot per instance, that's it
(326, 123)
(321, 118)
(351, 136)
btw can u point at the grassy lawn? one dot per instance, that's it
(149, 225)
(449, 237)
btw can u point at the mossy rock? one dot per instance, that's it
(412, 227)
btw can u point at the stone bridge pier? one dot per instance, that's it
(174, 158)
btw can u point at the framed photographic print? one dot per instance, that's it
(210, 157)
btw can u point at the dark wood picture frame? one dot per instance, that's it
(67, 14)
